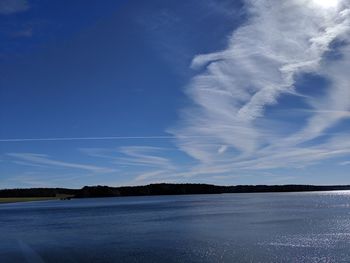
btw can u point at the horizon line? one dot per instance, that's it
(189, 183)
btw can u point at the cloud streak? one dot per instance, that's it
(145, 163)
(33, 159)
(156, 137)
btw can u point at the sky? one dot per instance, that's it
(225, 92)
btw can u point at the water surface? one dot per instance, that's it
(288, 227)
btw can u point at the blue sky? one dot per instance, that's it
(136, 92)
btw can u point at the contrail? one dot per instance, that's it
(96, 138)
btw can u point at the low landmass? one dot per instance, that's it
(35, 194)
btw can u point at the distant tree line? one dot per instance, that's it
(162, 189)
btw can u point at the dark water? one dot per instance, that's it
(297, 227)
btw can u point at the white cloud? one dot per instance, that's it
(281, 40)
(8, 7)
(146, 164)
(222, 149)
(43, 159)
(144, 156)
(148, 177)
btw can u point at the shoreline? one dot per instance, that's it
(13, 200)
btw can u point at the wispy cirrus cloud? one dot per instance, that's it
(280, 41)
(151, 176)
(40, 179)
(33, 159)
(146, 156)
(8, 7)
(345, 163)
(27, 32)
(145, 163)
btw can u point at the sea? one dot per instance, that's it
(259, 227)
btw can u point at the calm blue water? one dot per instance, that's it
(292, 227)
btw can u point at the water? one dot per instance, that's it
(289, 227)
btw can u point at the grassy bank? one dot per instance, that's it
(5, 200)
(24, 199)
